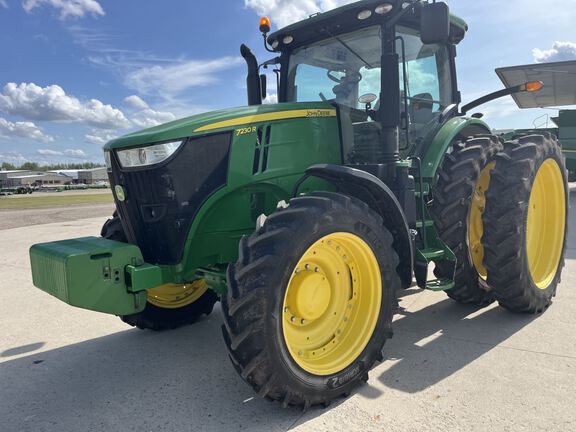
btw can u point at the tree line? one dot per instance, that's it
(33, 166)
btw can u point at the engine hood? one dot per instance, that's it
(219, 121)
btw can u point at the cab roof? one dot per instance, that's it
(344, 19)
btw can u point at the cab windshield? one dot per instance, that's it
(337, 69)
(342, 68)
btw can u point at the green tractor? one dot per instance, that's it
(306, 217)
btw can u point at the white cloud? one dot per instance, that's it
(3, 3)
(560, 51)
(150, 117)
(71, 153)
(75, 153)
(13, 158)
(146, 116)
(285, 12)
(48, 152)
(67, 8)
(271, 98)
(100, 136)
(496, 109)
(136, 102)
(175, 78)
(23, 130)
(51, 103)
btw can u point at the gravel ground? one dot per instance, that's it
(66, 192)
(449, 367)
(14, 218)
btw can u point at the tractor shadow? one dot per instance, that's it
(434, 342)
(183, 380)
(136, 380)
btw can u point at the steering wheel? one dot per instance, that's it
(352, 78)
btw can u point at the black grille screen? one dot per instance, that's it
(161, 201)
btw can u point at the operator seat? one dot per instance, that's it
(421, 111)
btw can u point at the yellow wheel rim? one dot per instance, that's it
(332, 303)
(173, 296)
(475, 224)
(546, 223)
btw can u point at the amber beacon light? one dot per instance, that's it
(265, 24)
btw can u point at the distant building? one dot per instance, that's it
(15, 178)
(7, 175)
(72, 173)
(10, 173)
(38, 179)
(91, 176)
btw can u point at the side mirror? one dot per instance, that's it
(263, 86)
(434, 23)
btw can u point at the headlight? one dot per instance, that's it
(143, 156)
(108, 160)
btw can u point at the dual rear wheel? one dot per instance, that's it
(502, 208)
(525, 223)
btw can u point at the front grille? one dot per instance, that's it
(162, 200)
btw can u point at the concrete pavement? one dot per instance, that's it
(449, 367)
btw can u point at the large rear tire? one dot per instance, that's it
(168, 306)
(459, 200)
(525, 219)
(310, 300)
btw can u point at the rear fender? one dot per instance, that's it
(454, 129)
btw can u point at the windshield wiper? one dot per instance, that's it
(345, 45)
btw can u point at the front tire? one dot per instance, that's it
(525, 221)
(168, 306)
(310, 300)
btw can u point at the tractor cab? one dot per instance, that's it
(370, 61)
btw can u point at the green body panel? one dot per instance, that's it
(231, 212)
(187, 127)
(111, 277)
(439, 144)
(94, 273)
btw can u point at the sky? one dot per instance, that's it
(77, 73)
